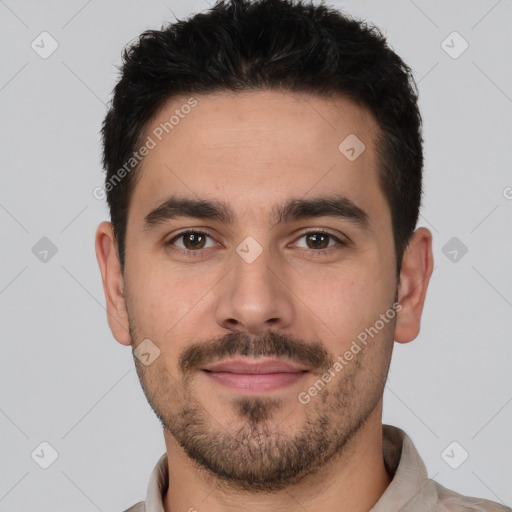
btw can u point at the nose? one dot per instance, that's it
(254, 297)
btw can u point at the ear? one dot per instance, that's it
(415, 275)
(113, 283)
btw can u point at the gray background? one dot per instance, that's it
(66, 381)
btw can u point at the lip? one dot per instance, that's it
(254, 366)
(254, 375)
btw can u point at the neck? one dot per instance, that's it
(354, 480)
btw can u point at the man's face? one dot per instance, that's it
(261, 283)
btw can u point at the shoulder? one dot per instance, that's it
(138, 507)
(451, 501)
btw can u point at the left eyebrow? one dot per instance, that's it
(331, 206)
(292, 210)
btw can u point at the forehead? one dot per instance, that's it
(256, 149)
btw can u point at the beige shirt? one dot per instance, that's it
(410, 490)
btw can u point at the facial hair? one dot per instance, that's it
(259, 453)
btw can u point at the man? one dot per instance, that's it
(264, 165)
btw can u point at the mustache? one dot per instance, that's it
(269, 343)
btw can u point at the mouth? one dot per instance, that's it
(254, 375)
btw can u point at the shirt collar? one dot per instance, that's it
(410, 489)
(157, 487)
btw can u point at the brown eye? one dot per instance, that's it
(194, 240)
(317, 240)
(191, 240)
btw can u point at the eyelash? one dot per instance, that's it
(198, 252)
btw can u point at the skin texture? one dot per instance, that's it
(265, 450)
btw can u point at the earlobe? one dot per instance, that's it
(113, 283)
(417, 265)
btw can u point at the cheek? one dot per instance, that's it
(159, 288)
(154, 304)
(168, 306)
(344, 303)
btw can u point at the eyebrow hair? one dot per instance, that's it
(327, 206)
(176, 207)
(294, 209)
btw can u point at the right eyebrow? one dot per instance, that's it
(175, 207)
